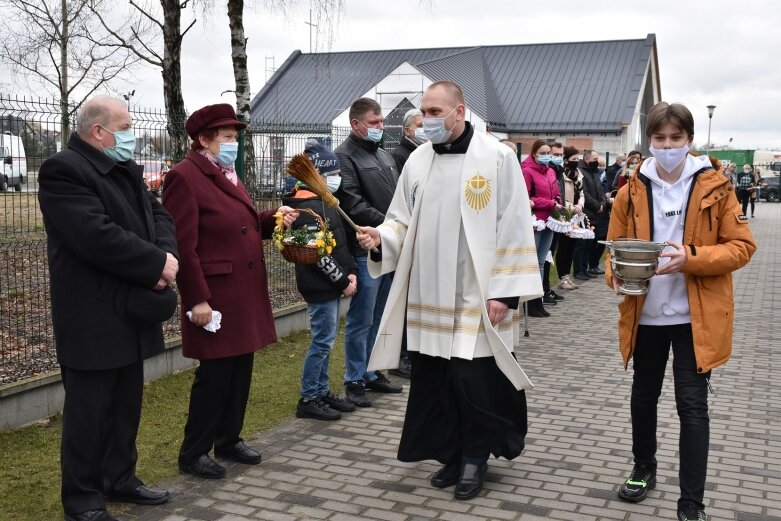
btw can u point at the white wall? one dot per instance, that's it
(404, 82)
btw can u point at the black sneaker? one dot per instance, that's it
(555, 295)
(356, 394)
(337, 402)
(636, 487)
(404, 370)
(690, 512)
(548, 299)
(382, 385)
(316, 410)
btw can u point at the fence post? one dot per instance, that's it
(240, 154)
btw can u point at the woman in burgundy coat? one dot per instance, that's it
(222, 268)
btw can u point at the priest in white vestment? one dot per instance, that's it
(458, 234)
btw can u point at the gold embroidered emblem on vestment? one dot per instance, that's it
(478, 192)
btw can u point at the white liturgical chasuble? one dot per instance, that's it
(457, 233)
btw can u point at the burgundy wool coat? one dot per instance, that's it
(219, 234)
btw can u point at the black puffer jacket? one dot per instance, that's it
(327, 279)
(369, 178)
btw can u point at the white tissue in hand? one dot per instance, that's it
(214, 323)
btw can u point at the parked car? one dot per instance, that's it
(13, 162)
(769, 190)
(154, 173)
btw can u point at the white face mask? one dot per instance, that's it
(333, 182)
(435, 129)
(670, 158)
(420, 136)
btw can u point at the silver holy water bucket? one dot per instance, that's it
(634, 261)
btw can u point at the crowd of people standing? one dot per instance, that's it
(434, 271)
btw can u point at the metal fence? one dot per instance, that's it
(26, 339)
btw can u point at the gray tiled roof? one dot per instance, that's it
(559, 87)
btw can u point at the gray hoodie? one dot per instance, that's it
(667, 301)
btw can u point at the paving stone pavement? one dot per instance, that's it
(578, 446)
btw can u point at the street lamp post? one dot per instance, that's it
(711, 108)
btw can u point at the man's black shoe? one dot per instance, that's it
(690, 512)
(204, 467)
(596, 271)
(240, 452)
(356, 394)
(470, 482)
(447, 476)
(381, 384)
(637, 485)
(404, 370)
(582, 276)
(337, 402)
(555, 295)
(316, 410)
(141, 495)
(91, 515)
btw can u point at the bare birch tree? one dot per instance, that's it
(140, 35)
(326, 11)
(48, 43)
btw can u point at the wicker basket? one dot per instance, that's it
(299, 253)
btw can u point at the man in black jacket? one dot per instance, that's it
(412, 137)
(112, 255)
(594, 208)
(369, 179)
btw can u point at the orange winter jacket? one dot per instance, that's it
(717, 240)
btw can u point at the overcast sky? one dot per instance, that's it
(721, 52)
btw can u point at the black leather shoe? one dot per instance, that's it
(91, 515)
(582, 276)
(470, 482)
(404, 370)
(382, 385)
(596, 271)
(204, 467)
(240, 452)
(141, 495)
(447, 476)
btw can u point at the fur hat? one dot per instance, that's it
(212, 116)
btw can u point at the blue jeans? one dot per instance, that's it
(363, 322)
(323, 322)
(542, 241)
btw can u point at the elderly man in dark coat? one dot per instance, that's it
(220, 236)
(111, 250)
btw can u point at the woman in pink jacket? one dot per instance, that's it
(544, 193)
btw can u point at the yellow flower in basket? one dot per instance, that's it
(300, 245)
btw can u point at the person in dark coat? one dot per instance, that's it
(412, 137)
(112, 255)
(220, 237)
(594, 208)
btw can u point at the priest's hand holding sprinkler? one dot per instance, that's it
(368, 237)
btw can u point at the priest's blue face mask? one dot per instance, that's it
(124, 145)
(435, 130)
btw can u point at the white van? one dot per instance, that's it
(13, 161)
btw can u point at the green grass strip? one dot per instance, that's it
(30, 474)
